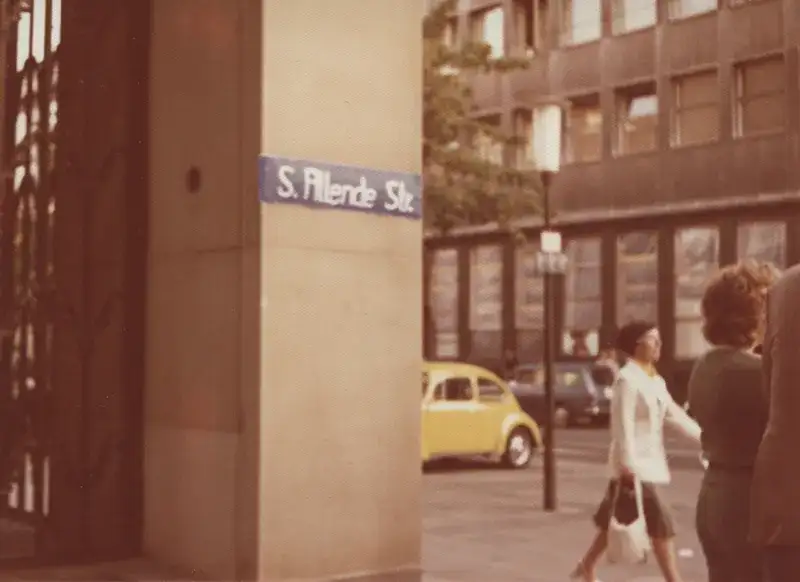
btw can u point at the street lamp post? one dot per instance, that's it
(547, 130)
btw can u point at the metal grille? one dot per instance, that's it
(26, 260)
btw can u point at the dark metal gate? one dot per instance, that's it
(72, 278)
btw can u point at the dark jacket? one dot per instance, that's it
(776, 482)
(726, 399)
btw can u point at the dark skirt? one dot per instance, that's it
(723, 520)
(660, 524)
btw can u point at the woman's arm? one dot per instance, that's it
(678, 418)
(623, 421)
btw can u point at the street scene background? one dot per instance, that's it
(484, 524)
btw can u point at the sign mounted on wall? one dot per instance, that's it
(320, 185)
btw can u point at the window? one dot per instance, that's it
(762, 241)
(584, 131)
(488, 27)
(488, 390)
(583, 311)
(450, 35)
(486, 301)
(523, 131)
(760, 99)
(444, 302)
(529, 308)
(637, 277)
(580, 21)
(695, 118)
(453, 389)
(530, 26)
(696, 259)
(630, 15)
(686, 8)
(637, 119)
(487, 146)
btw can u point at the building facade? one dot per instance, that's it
(680, 154)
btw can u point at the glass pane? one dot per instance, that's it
(529, 289)
(583, 285)
(584, 133)
(637, 277)
(764, 76)
(698, 89)
(583, 315)
(530, 345)
(446, 345)
(486, 348)
(762, 241)
(686, 8)
(696, 125)
(581, 21)
(763, 114)
(581, 344)
(584, 251)
(633, 15)
(689, 340)
(486, 288)
(444, 290)
(493, 33)
(696, 260)
(639, 124)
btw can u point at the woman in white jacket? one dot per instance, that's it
(640, 406)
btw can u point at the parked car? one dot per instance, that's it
(468, 411)
(583, 392)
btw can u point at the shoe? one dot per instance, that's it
(579, 573)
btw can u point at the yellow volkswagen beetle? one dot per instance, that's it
(469, 411)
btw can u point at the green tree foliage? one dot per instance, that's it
(461, 186)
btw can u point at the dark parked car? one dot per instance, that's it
(582, 392)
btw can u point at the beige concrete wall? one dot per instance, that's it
(201, 397)
(341, 314)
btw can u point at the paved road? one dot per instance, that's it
(483, 524)
(591, 445)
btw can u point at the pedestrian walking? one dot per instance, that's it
(726, 399)
(637, 459)
(775, 499)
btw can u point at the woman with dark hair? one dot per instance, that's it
(726, 398)
(641, 404)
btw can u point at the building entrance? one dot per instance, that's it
(72, 272)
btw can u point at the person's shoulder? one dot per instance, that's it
(789, 279)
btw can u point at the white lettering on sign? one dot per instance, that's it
(319, 184)
(319, 187)
(400, 199)
(285, 189)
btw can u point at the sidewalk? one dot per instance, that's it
(503, 535)
(488, 526)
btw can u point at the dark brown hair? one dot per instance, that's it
(734, 302)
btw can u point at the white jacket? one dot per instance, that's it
(640, 405)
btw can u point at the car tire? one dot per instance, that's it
(562, 417)
(520, 449)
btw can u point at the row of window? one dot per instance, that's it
(578, 21)
(695, 114)
(637, 287)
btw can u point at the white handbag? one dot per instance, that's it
(628, 543)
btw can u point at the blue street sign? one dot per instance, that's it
(321, 185)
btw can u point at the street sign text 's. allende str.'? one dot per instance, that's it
(321, 185)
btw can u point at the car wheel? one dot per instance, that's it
(562, 417)
(519, 449)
